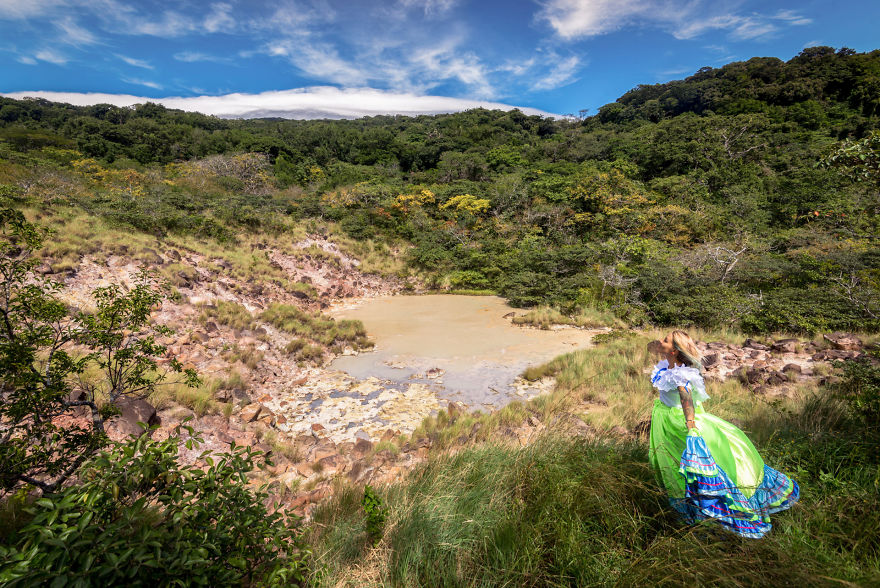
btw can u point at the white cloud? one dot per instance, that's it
(304, 103)
(140, 82)
(135, 62)
(575, 19)
(51, 56)
(588, 18)
(220, 19)
(74, 34)
(20, 9)
(561, 74)
(26, 60)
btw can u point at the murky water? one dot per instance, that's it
(460, 347)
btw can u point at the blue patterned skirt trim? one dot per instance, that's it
(710, 494)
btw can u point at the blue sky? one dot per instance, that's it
(307, 58)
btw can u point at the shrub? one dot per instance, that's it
(140, 518)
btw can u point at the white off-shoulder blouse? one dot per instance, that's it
(667, 380)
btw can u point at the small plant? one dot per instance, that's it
(376, 514)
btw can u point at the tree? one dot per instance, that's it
(857, 160)
(51, 419)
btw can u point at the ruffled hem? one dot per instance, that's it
(711, 494)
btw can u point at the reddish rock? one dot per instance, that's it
(362, 447)
(711, 360)
(785, 346)
(250, 412)
(332, 464)
(224, 437)
(133, 411)
(844, 341)
(304, 469)
(755, 345)
(325, 449)
(389, 435)
(299, 381)
(792, 368)
(317, 428)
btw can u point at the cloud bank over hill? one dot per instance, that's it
(301, 103)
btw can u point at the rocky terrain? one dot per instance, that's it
(320, 425)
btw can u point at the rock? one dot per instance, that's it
(509, 315)
(332, 464)
(134, 410)
(345, 447)
(838, 354)
(792, 368)
(200, 337)
(383, 456)
(211, 327)
(533, 421)
(304, 469)
(317, 428)
(267, 417)
(251, 412)
(844, 341)
(224, 437)
(711, 360)
(299, 381)
(785, 346)
(389, 436)
(776, 378)
(716, 345)
(324, 449)
(173, 254)
(362, 447)
(755, 345)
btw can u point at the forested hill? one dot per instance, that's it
(701, 201)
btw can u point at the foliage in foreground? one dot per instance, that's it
(140, 518)
(44, 351)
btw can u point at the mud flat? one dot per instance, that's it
(462, 348)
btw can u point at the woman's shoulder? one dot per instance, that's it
(665, 377)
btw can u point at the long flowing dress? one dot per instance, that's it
(711, 472)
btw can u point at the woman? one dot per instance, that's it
(709, 467)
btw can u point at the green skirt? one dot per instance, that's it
(732, 450)
(715, 473)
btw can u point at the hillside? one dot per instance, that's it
(740, 203)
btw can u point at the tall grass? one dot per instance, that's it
(545, 317)
(567, 511)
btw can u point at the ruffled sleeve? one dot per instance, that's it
(667, 380)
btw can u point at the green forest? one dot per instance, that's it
(742, 200)
(710, 201)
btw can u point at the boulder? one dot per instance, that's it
(133, 411)
(838, 354)
(361, 434)
(324, 449)
(362, 447)
(792, 368)
(785, 345)
(711, 360)
(251, 412)
(776, 378)
(389, 435)
(844, 341)
(751, 343)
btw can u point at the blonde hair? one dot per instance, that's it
(687, 349)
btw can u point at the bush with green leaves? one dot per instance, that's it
(44, 349)
(139, 517)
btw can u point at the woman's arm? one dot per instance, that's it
(687, 406)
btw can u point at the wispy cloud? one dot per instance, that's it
(51, 56)
(196, 56)
(135, 62)
(303, 103)
(73, 34)
(577, 19)
(561, 74)
(26, 60)
(140, 82)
